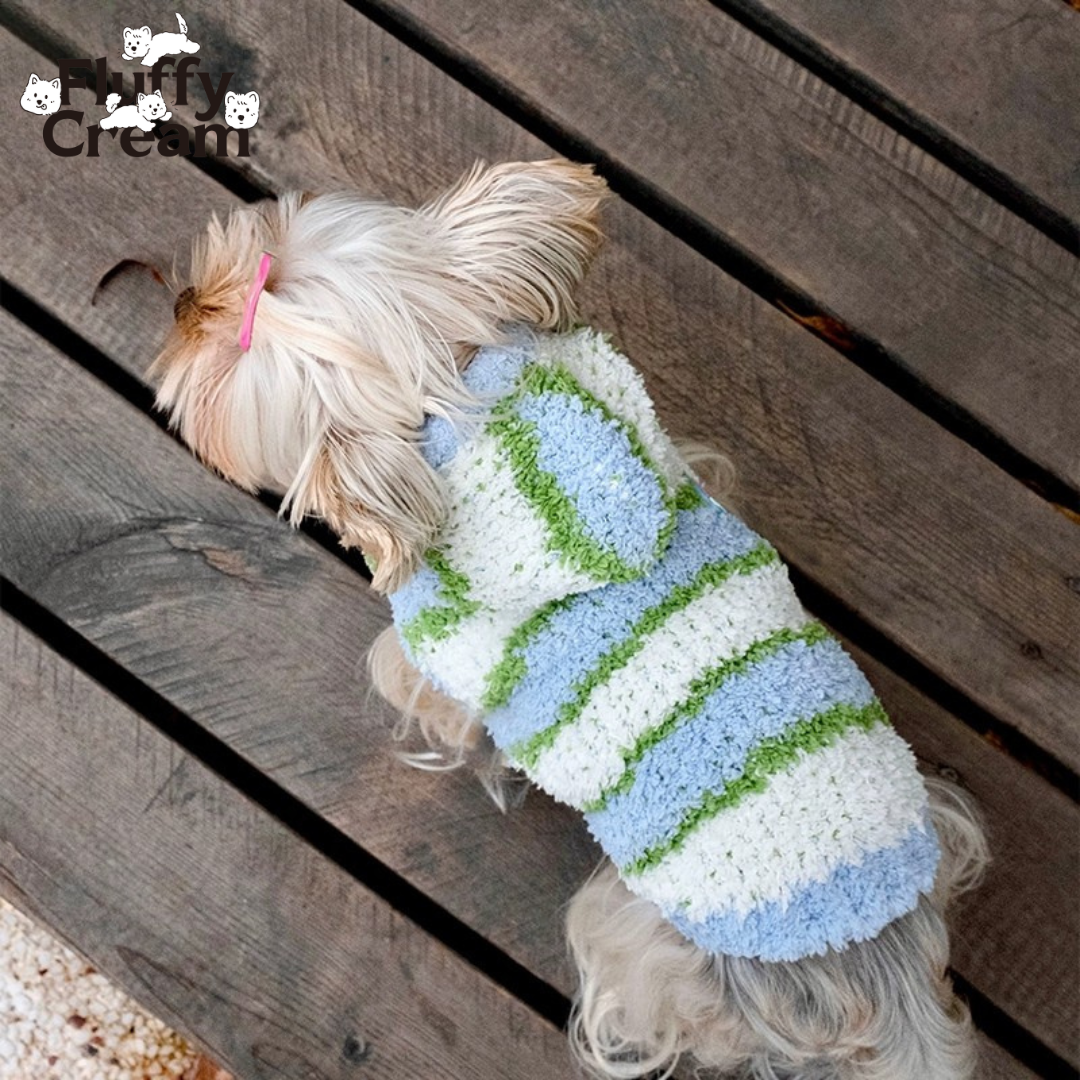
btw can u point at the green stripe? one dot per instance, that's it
(768, 758)
(710, 576)
(699, 691)
(438, 622)
(503, 679)
(567, 534)
(688, 496)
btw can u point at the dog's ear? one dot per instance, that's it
(376, 491)
(32, 81)
(55, 83)
(141, 96)
(253, 98)
(230, 97)
(521, 236)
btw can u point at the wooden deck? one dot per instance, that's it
(845, 248)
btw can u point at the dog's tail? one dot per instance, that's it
(183, 25)
(111, 102)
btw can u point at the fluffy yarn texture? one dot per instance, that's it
(639, 652)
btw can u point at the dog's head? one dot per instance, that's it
(151, 106)
(40, 96)
(368, 315)
(241, 110)
(137, 41)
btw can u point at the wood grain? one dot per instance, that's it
(904, 523)
(257, 634)
(998, 77)
(218, 918)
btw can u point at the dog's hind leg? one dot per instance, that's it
(443, 722)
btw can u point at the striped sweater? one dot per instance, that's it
(640, 654)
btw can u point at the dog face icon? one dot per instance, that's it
(152, 106)
(41, 97)
(241, 110)
(137, 42)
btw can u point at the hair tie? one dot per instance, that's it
(252, 301)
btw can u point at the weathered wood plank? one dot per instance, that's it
(62, 864)
(256, 633)
(983, 307)
(907, 525)
(216, 916)
(998, 77)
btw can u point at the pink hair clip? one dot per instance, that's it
(252, 301)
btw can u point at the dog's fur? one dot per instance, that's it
(370, 313)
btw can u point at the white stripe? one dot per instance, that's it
(586, 756)
(493, 535)
(833, 806)
(611, 378)
(461, 662)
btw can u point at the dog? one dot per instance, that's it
(241, 110)
(773, 900)
(41, 97)
(143, 42)
(144, 114)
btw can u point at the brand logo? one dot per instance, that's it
(144, 121)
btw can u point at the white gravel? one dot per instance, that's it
(61, 1020)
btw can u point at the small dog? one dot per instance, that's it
(143, 42)
(241, 110)
(774, 898)
(144, 114)
(41, 97)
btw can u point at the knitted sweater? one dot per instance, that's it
(640, 654)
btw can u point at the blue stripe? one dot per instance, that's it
(419, 592)
(709, 750)
(854, 903)
(624, 512)
(594, 622)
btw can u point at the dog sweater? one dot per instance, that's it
(639, 652)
